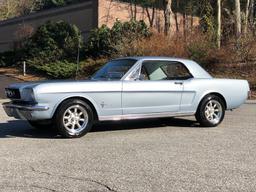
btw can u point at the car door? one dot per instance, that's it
(157, 90)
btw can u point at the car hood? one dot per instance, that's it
(36, 83)
(66, 87)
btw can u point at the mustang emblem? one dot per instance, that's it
(103, 104)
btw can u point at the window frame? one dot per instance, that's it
(127, 72)
(170, 61)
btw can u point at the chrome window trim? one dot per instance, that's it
(127, 76)
(191, 75)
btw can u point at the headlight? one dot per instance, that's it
(29, 94)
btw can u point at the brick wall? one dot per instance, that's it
(86, 16)
(110, 10)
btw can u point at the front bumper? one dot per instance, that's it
(27, 112)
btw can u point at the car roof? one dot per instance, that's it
(156, 58)
(195, 69)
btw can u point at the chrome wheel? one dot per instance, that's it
(213, 111)
(75, 119)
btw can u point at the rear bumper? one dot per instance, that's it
(28, 112)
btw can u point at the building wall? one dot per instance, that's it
(86, 16)
(83, 15)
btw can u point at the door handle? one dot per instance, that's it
(178, 83)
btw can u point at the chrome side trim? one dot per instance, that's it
(143, 116)
(25, 107)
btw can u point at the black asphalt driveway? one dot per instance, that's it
(4, 82)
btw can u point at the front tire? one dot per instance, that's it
(74, 118)
(211, 111)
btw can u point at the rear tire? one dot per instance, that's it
(74, 118)
(211, 111)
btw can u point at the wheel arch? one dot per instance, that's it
(216, 94)
(87, 101)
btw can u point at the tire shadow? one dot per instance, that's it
(144, 124)
(19, 128)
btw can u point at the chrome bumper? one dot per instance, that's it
(22, 111)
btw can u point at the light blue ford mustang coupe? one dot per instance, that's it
(127, 88)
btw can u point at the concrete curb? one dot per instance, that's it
(250, 102)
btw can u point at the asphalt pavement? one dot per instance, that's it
(172, 154)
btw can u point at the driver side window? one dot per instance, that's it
(164, 70)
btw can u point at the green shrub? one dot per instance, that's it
(99, 42)
(52, 49)
(10, 58)
(131, 29)
(90, 66)
(47, 4)
(54, 41)
(58, 70)
(104, 41)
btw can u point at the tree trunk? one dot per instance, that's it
(131, 3)
(176, 22)
(185, 25)
(151, 17)
(251, 14)
(238, 17)
(108, 12)
(167, 16)
(219, 24)
(176, 16)
(246, 16)
(191, 20)
(133, 10)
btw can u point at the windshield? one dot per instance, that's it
(114, 70)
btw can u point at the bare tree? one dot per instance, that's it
(167, 16)
(251, 14)
(176, 16)
(247, 9)
(219, 24)
(184, 15)
(23, 33)
(133, 8)
(176, 22)
(151, 15)
(8, 9)
(108, 11)
(238, 17)
(13, 8)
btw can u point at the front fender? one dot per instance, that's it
(83, 96)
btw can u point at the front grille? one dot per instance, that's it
(12, 93)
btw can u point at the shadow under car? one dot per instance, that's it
(20, 128)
